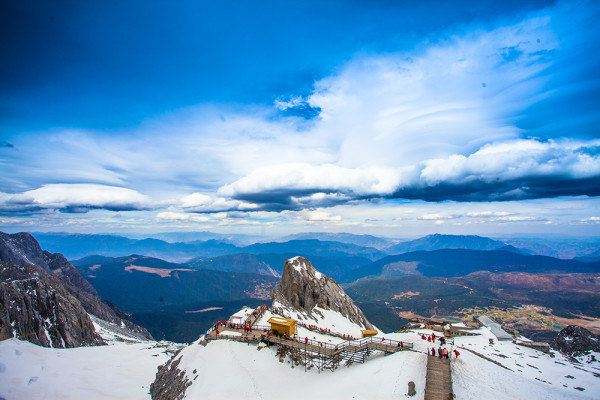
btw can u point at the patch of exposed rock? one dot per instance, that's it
(170, 383)
(303, 288)
(575, 341)
(45, 299)
(35, 306)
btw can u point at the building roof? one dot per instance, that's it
(495, 327)
(281, 321)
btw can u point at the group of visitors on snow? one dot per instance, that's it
(441, 352)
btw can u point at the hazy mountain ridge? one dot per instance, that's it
(240, 262)
(559, 247)
(150, 289)
(458, 262)
(75, 246)
(377, 242)
(439, 241)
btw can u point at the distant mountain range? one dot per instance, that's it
(175, 301)
(75, 246)
(438, 241)
(334, 258)
(346, 258)
(201, 236)
(376, 242)
(459, 262)
(557, 246)
(248, 263)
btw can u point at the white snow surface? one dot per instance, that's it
(320, 317)
(117, 371)
(241, 315)
(533, 374)
(232, 370)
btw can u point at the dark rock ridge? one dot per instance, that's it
(45, 300)
(36, 306)
(575, 341)
(171, 382)
(303, 288)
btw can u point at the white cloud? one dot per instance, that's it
(299, 177)
(181, 217)
(515, 160)
(434, 217)
(200, 202)
(488, 214)
(292, 102)
(76, 198)
(319, 216)
(513, 169)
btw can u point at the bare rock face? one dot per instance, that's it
(36, 306)
(302, 287)
(575, 341)
(44, 299)
(20, 249)
(170, 382)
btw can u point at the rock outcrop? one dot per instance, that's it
(303, 288)
(44, 299)
(170, 382)
(35, 306)
(575, 341)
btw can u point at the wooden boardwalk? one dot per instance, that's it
(351, 351)
(438, 380)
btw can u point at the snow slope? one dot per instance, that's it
(123, 369)
(320, 317)
(232, 370)
(532, 375)
(117, 371)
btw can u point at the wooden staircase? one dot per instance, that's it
(438, 380)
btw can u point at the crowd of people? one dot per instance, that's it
(441, 351)
(326, 331)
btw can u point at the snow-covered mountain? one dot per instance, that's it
(45, 300)
(229, 364)
(325, 358)
(306, 294)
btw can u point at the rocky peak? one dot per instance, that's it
(37, 307)
(21, 249)
(303, 288)
(46, 300)
(575, 340)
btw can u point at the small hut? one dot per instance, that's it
(368, 332)
(283, 326)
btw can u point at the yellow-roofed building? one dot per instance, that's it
(283, 326)
(368, 332)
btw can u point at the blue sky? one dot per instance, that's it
(375, 117)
